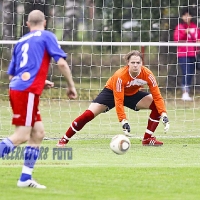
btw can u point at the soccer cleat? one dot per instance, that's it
(30, 183)
(62, 142)
(151, 142)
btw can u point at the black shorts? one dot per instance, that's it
(106, 97)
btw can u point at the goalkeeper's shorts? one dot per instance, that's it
(106, 98)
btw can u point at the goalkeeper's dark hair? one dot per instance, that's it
(132, 53)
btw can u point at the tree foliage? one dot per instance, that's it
(152, 16)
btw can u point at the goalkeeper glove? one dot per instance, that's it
(126, 127)
(165, 121)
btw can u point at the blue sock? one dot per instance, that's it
(30, 156)
(6, 146)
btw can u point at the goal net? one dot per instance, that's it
(96, 35)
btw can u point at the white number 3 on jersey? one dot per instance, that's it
(24, 50)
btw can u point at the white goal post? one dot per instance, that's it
(124, 44)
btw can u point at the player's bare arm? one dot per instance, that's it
(65, 70)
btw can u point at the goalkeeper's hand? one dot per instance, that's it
(165, 121)
(126, 127)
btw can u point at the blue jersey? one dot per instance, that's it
(30, 60)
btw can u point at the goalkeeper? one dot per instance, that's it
(123, 89)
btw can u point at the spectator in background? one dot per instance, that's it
(186, 31)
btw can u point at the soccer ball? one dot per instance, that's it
(120, 144)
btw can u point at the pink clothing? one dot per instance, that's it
(180, 35)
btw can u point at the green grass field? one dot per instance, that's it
(170, 172)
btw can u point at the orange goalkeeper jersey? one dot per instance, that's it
(123, 84)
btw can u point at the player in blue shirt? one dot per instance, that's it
(27, 73)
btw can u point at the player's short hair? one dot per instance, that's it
(36, 17)
(132, 53)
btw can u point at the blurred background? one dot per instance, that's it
(102, 21)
